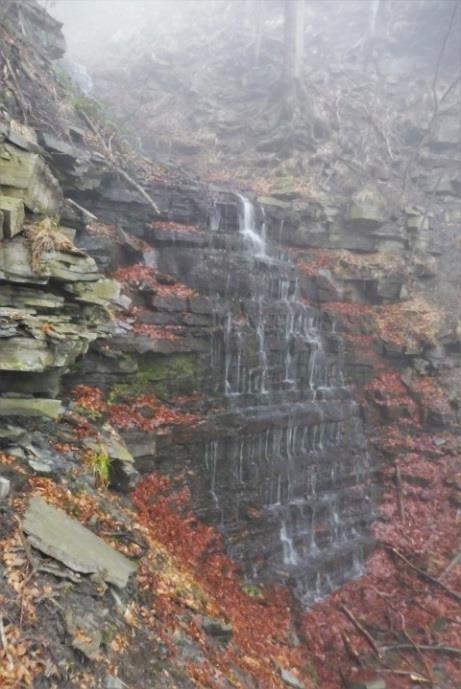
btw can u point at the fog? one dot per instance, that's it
(181, 68)
(94, 27)
(102, 32)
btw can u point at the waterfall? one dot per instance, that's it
(290, 556)
(289, 441)
(255, 241)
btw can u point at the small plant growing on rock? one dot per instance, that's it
(45, 236)
(253, 591)
(99, 463)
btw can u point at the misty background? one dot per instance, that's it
(187, 75)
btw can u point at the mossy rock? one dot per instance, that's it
(368, 209)
(163, 375)
(15, 406)
(100, 292)
(13, 214)
(25, 354)
(26, 176)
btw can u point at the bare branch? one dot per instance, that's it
(440, 56)
(108, 155)
(16, 87)
(398, 483)
(436, 649)
(424, 574)
(456, 560)
(437, 101)
(361, 629)
(418, 650)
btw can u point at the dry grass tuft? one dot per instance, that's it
(44, 237)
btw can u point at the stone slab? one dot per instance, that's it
(46, 384)
(23, 354)
(5, 486)
(169, 303)
(290, 680)
(25, 175)
(272, 201)
(100, 292)
(54, 533)
(11, 434)
(367, 208)
(13, 215)
(54, 145)
(217, 629)
(69, 267)
(21, 297)
(33, 406)
(23, 136)
(364, 683)
(15, 264)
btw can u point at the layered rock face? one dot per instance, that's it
(231, 305)
(281, 470)
(278, 461)
(53, 298)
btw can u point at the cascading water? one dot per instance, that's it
(256, 241)
(288, 467)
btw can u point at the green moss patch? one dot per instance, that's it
(164, 375)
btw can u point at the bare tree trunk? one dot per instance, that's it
(293, 53)
(259, 21)
(293, 40)
(374, 9)
(247, 11)
(369, 41)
